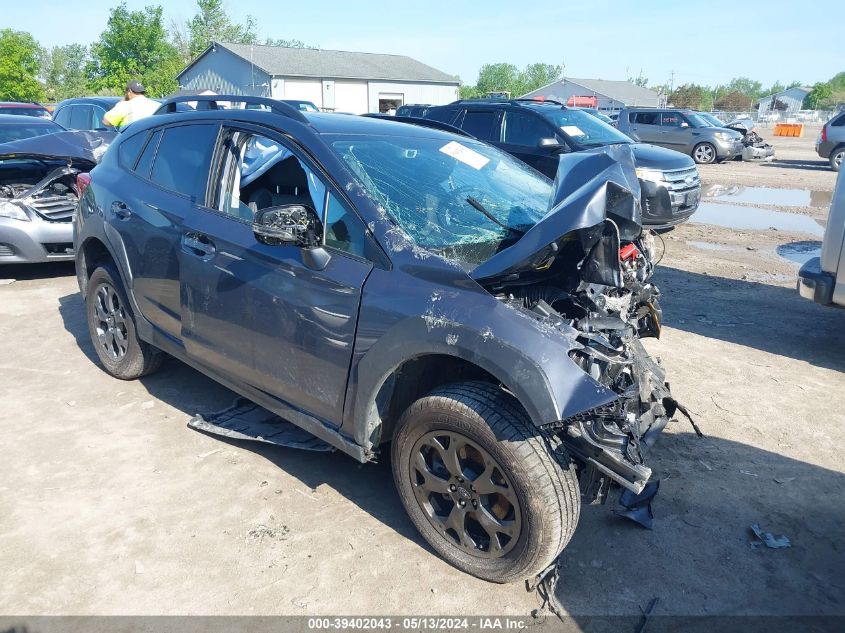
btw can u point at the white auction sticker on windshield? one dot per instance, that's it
(572, 130)
(464, 154)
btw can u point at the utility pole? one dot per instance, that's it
(672, 82)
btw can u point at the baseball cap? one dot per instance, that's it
(136, 86)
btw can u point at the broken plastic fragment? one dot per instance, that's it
(768, 539)
(637, 507)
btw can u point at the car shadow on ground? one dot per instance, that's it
(770, 318)
(369, 486)
(697, 560)
(25, 272)
(701, 557)
(817, 165)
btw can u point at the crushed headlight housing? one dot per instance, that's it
(11, 210)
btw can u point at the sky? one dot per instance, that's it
(705, 43)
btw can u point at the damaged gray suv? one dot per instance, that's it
(378, 283)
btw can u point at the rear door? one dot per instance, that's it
(521, 135)
(645, 126)
(258, 313)
(147, 210)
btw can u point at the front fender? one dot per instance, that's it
(529, 357)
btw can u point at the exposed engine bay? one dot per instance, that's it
(41, 186)
(601, 288)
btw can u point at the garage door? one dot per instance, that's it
(350, 96)
(308, 90)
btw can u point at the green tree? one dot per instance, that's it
(20, 60)
(213, 24)
(733, 102)
(640, 80)
(819, 97)
(63, 70)
(688, 96)
(538, 75)
(288, 43)
(504, 77)
(134, 46)
(746, 86)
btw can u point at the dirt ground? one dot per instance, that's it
(109, 504)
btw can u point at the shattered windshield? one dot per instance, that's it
(458, 198)
(585, 129)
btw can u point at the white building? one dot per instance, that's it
(787, 102)
(604, 94)
(340, 81)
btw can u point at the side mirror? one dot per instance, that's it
(551, 144)
(288, 224)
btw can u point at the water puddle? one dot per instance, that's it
(767, 195)
(800, 252)
(708, 246)
(752, 218)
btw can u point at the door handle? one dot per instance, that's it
(120, 210)
(198, 244)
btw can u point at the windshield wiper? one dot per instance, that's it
(480, 207)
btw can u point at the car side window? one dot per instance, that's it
(521, 128)
(184, 158)
(645, 118)
(97, 114)
(444, 115)
(62, 117)
(344, 229)
(146, 159)
(671, 119)
(80, 116)
(482, 124)
(258, 173)
(839, 122)
(130, 149)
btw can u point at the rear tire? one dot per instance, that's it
(111, 326)
(836, 158)
(514, 502)
(704, 154)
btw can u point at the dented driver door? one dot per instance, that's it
(262, 315)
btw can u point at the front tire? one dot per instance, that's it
(482, 485)
(111, 326)
(704, 154)
(836, 158)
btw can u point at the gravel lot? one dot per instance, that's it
(109, 504)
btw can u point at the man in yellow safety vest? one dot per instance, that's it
(135, 105)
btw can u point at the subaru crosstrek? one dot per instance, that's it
(377, 282)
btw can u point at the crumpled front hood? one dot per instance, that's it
(83, 148)
(589, 188)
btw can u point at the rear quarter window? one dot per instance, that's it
(130, 148)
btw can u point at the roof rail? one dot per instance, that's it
(486, 100)
(210, 102)
(430, 123)
(539, 100)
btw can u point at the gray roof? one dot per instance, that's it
(318, 63)
(623, 91)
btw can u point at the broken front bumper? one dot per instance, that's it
(611, 441)
(37, 240)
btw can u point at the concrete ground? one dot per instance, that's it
(109, 504)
